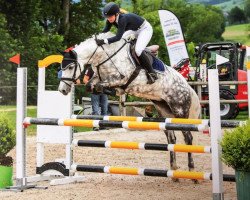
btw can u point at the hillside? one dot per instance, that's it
(212, 2)
(237, 33)
(225, 5)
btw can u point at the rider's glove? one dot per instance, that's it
(100, 42)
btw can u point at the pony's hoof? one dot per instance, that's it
(176, 180)
(195, 181)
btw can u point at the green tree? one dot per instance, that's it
(199, 28)
(20, 16)
(85, 20)
(247, 9)
(39, 46)
(194, 19)
(8, 48)
(74, 21)
(42, 26)
(236, 15)
(50, 15)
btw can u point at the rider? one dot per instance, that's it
(129, 23)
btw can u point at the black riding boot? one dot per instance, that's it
(145, 63)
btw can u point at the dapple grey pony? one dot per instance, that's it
(171, 94)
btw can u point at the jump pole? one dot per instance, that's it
(114, 124)
(215, 131)
(149, 172)
(21, 104)
(21, 111)
(141, 145)
(224, 123)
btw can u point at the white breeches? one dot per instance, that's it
(143, 36)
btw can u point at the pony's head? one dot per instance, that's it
(71, 70)
(74, 62)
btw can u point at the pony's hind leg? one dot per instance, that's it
(164, 111)
(189, 141)
(188, 138)
(172, 140)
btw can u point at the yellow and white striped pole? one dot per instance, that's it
(114, 124)
(142, 146)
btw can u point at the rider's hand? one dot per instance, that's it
(130, 37)
(78, 82)
(100, 42)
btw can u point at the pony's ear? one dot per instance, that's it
(73, 54)
(61, 52)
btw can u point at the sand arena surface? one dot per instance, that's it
(108, 186)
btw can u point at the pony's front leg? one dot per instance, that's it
(172, 140)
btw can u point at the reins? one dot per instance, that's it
(109, 58)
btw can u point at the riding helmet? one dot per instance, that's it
(111, 9)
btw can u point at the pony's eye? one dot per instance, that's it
(71, 67)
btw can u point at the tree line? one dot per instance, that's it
(37, 28)
(238, 16)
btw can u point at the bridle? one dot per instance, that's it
(77, 65)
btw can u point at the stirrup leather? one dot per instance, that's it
(151, 78)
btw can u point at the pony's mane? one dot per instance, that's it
(101, 36)
(88, 43)
(104, 35)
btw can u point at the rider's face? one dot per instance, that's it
(111, 19)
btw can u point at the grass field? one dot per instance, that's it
(238, 33)
(10, 112)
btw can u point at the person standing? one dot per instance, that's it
(98, 100)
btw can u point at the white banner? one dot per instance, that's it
(248, 57)
(248, 78)
(173, 36)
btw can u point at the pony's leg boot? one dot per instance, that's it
(145, 62)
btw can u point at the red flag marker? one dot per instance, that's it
(15, 59)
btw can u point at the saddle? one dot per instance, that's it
(150, 51)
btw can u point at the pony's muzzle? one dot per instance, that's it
(64, 92)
